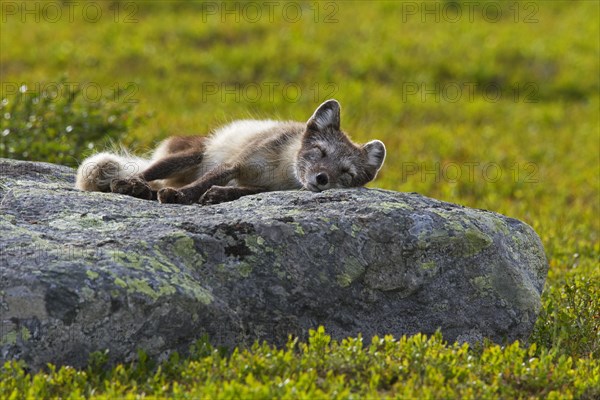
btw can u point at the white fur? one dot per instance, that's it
(96, 172)
(233, 143)
(227, 143)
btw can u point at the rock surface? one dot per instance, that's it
(81, 272)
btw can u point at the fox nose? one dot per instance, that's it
(322, 179)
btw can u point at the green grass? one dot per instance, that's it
(542, 135)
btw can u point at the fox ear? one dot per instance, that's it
(375, 153)
(326, 117)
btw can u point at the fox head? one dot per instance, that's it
(329, 159)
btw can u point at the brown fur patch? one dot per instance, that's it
(177, 144)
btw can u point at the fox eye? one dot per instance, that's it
(346, 170)
(321, 150)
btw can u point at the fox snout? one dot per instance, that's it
(318, 181)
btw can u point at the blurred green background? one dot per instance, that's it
(488, 104)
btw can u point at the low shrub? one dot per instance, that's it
(322, 368)
(60, 125)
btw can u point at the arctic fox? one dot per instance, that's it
(242, 158)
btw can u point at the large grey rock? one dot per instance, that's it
(82, 272)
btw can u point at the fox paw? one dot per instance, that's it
(214, 195)
(135, 187)
(172, 196)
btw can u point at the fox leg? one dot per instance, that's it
(222, 194)
(191, 193)
(166, 167)
(172, 165)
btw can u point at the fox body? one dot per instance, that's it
(244, 157)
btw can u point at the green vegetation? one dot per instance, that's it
(490, 112)
(415, 367)
(58, 124)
